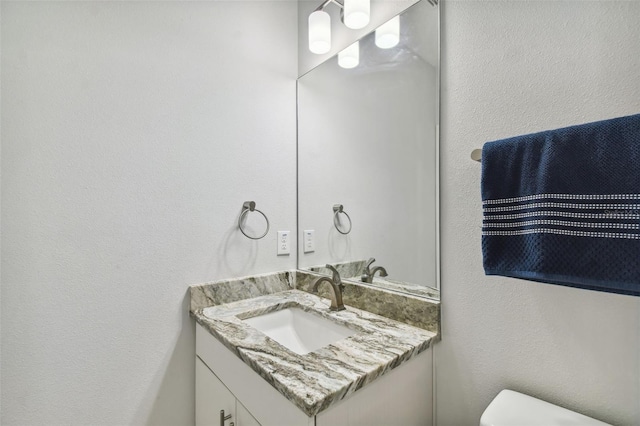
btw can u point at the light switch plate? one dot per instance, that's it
(309, 242)
(283, 243)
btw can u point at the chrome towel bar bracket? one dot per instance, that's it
(250, 206)
(337, 209)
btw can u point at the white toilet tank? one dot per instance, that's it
(511, 408)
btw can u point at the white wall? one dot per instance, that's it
(513, 67)
(0, 219)
(131, 134)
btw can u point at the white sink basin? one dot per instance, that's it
(300, 331)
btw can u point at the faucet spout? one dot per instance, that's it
(383, 272)
(336, 289)
(368, 273)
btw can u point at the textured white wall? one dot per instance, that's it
(0, 219)
(131, 134)
(512, 67)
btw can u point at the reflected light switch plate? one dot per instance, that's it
(309, 242)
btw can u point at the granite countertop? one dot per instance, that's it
(314, 381)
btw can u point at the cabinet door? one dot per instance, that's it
(211, 397)
(244, 417)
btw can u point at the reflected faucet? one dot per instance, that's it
(367, 275)
(336, 289)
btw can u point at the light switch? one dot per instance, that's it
(283, 243)
(309, 242)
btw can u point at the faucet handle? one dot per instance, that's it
(368, 265)
(336, 275)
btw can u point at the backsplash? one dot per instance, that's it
(352, 269)
(234, 289)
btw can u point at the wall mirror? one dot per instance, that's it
(368, 160)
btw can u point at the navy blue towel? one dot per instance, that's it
(563, 206)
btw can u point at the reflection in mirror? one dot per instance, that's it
(367, 140)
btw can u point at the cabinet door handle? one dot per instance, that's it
(224, 418)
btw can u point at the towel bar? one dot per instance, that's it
(247, 207)
(337, 209)
(476, 155)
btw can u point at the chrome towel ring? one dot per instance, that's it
(337, 209)
(250, 206)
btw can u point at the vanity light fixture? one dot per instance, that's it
(388, 34)
(354, 13)
(319, 32)
(350, 56)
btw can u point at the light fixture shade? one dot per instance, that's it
(350, 56)
(319, 32)
(356, 13)
(388, 34)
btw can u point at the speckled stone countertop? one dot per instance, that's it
(321, 378)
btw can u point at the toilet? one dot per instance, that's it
(510, 408)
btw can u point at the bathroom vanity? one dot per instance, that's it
(379, 374)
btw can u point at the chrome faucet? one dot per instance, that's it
(367, 274)
(336, 289)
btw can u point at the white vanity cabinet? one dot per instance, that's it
(402, 396)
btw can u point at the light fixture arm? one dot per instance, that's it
(326, 3)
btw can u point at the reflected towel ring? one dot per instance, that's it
(250, 206)
(339, 208)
